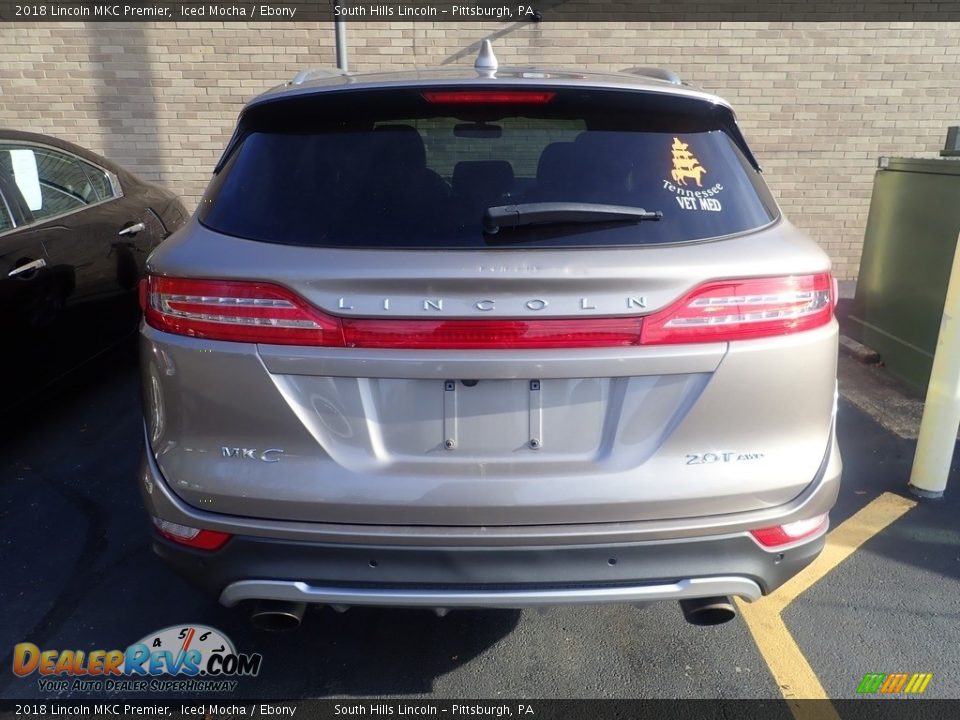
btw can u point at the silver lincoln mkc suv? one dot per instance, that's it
(488, 337)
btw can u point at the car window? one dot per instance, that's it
(6, 221)
(51, 182)
(98, 179)
(405, 173)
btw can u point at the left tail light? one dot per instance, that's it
(238, 311)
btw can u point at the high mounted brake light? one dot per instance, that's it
(488, 97)
(257, 312)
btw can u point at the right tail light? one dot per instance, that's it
(729, 310)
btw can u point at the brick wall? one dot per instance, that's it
(818, 103)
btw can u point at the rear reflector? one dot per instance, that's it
(499, 97)
(791, 532)
(744, 309)
(191, 536)
(492, 334)
(257, 312)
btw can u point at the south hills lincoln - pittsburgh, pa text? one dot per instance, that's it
(503, 12)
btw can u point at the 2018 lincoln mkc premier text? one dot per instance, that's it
(491, 337)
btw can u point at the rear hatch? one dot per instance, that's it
(346, 333)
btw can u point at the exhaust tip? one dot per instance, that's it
(277, 616)
(708, 611)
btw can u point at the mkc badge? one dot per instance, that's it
(270, 455)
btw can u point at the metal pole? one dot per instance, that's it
(941, 412)
(340, 32)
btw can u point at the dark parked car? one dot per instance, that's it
(75, 230)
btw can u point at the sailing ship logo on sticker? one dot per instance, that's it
(685, 165)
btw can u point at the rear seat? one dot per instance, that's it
(480, 184)
(555, 172)
(590, 169)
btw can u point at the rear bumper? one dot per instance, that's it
(259, 569)
(489, 567)
(445, 598)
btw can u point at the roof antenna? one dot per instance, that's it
(486, 60)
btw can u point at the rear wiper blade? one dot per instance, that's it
(547, 213)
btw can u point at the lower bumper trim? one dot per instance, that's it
(296, 591)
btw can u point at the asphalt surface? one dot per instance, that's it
(895, 605)
(77, 572)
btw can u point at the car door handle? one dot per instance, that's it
(133, 229)
(27, 267)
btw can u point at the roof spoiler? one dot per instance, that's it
(316, 74)
(657, 73)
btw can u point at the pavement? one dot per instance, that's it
(78, 573)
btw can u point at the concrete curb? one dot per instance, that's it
(859, 351)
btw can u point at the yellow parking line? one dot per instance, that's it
(780, 651)
(789, 667)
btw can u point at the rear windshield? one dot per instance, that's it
(391, 169)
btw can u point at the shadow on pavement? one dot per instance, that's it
(894, 605)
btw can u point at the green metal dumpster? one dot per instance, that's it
(907, 255)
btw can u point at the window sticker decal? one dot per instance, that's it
(687, 167)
